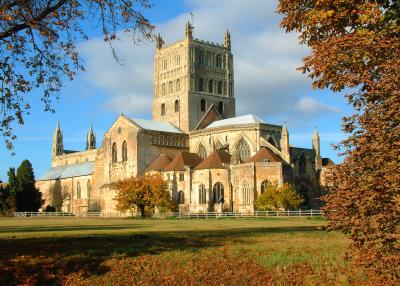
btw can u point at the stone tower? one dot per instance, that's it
(285, 143)
(190, 76)
(58, 147)
(316, 147)
(90, 139)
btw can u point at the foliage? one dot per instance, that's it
(278, 197)
(49, 209)
(355, 48)
(38, 46)
(28, 198)
(58, 195)
(143, 193)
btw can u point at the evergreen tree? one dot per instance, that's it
(28, 198)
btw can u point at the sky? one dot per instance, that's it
(267, 83)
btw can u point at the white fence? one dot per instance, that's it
(256, 214)
(182, 215)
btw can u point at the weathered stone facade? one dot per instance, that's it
(211, 159)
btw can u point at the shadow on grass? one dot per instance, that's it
(46, 261)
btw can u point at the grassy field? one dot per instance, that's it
(79, 251)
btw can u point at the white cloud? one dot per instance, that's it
(265, 61)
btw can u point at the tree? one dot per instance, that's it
(7, 200)
(279, 197)
(143, 193)
(28, 198)
(355, 48)
(38, 42)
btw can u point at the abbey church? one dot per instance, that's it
(211, 159)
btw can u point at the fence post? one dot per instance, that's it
(311, 213)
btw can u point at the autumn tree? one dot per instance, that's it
(278, 197)
(143, 194)
(38, 47)
(355, 49)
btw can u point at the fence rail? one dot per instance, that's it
(183, 215)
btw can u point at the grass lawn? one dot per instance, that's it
(93, 251)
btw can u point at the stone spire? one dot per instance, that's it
(159, 41)
(189, 31)
(227, 40)
(285, 143)
(91, 139)
(317, 150)
(58, 147)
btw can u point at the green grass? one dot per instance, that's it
(92, 251)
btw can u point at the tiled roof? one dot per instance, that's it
(69, 171)
(160, 163)
(265, 155)
(239, 120)
(183, 159)
(215, 160)
(156, 125)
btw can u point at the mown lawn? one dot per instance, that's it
(79, 251)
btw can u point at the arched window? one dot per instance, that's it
(181, 197)
(89, 188)
(170, 89)
(178, 85)
(176, 105)
(220, 107)
(218, 145)
(242, 151)
(210, 86)
(202, 194)
(163, 89)
(218, 193)
(114, 153)
(124, 151)
(203, 105)
(302, 164)
(219, 90)
(163, 109)
(201, 151)
(246, 193)
(201, 57)
(219, 61)
(78, 190)
(264, 185)
(201, 84)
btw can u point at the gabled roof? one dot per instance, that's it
(69, 171)
(183, 159)
(160, 163)
(238, 120)
(265, 155)
(210, 116)
(156, 125)
(215, 160)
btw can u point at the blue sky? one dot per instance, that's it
(266, 81)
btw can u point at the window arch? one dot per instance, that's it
(246, 193)
(124, 151)
(264, 185)
(218, 193)
(210, 86)
(242, 151)
(114, 153)
(201, 151)
(176, 105)
(181, 197)
(219, 89)
(302, 164)
(178, 85)
(202, 194)
(203, 104)
(163, 109)
(89, 188)
(78, 190)
(201, 84)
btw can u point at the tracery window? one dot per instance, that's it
(78, 190)
(246, 193)
(218, 193)
(89, 188)
(181, 197)
(201, 151)
(242, 151)
(124, 151)
(218, 145)
(202, 194)
(114, 153)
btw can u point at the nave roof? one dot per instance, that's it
(69, 171)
